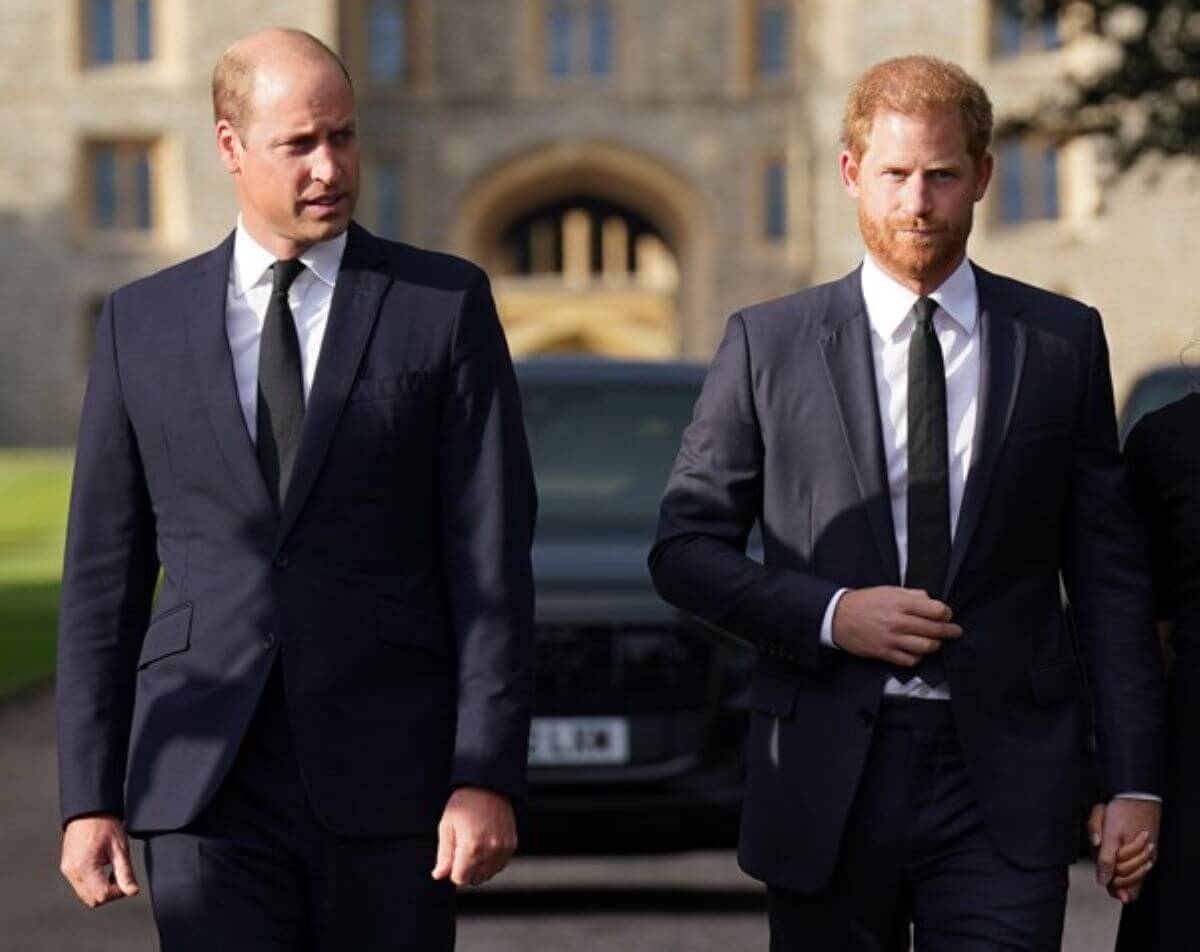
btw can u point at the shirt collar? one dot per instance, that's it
(889, 302)
(252, 262)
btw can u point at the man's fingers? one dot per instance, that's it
(1106, 860)
(445, 851)
(925, 628)
(466, 861)
(921, 604)
(1095, 825)
(123, 875)
(1133, 847)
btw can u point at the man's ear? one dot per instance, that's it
(229, 146)
(984, 168)
(850, 172)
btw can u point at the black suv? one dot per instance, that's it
(640, 711)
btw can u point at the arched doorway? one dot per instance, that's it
(591, 248)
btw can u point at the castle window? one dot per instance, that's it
(1027, 181)
(120, 186)
(774, 201)
(387, 37)
(1023, 26)
(580, 38)
(773, 38)
(118, 31)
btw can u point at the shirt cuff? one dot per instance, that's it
(827, 621)
(1137, 795)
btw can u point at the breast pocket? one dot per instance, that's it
(414, 384)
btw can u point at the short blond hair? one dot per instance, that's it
(916, 86)
(233, 77)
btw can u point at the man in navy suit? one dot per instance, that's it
(927, 448)
(317, 435)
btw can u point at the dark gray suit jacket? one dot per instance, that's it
(787, 433)
(394, 588)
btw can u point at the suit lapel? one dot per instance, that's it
(352, 314)
(846, 349)
(204, 320)
(1001, 360)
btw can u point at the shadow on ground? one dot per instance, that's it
(611, 901)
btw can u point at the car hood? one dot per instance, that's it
(596, 578)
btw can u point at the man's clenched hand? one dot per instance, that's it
(476, 837)
(897, 625)
(95, 860)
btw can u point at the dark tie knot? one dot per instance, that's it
(924, 310)
(283, 273)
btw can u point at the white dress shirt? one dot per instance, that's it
(247, 296)
(956, 321)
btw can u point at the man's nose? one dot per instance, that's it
(917, 196)
(325, 167)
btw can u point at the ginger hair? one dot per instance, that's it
(916, 86)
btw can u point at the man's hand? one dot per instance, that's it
(1125, 834)
(95, 860)
(476, 838)
(896, 625)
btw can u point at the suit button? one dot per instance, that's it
(269, 640)
(866, 717)
(282, 563)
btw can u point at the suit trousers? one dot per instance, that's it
(257, 871)
(916, 861)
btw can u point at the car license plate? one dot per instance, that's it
(567, 741)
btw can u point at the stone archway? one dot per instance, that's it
(646, 316)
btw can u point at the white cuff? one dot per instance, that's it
(1137, 795)
(827, 621)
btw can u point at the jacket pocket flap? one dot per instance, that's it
(773, 696)
(400, 624)
(1056, 681)
(168, 634)
(380, 388)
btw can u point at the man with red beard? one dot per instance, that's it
(927, 448)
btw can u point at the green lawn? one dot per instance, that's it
(33, 515)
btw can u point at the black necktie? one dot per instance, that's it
(280, 385)
(928, 476)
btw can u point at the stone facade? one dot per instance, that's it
(677, 135)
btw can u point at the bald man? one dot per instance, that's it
(319, 726)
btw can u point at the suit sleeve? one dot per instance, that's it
(712, 499)
(488, 506)
(109, 572)
(1106, 574)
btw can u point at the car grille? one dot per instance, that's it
(620, 669)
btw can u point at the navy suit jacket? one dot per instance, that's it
(394, 587)
(787, 432)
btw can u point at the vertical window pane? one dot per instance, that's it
(772, 40)
(104, 187)
(389, 200)
(143, 199)
(775, 198)
(1050, 182)
(104, 34)
(601, 37)
(1050, 38)
(1009, 27)
(388, 40)
(144, 47)
(1012, 183)
(559, 38)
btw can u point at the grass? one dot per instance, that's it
(34, 485)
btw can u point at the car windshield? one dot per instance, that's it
(1157, 389)
(602, 451)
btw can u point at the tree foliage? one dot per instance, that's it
(1134, 75)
